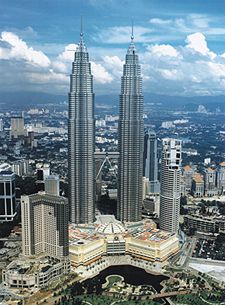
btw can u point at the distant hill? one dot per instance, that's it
(30, 98)
(18, 99)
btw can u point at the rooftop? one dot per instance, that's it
(187, 168)
(198, 178)
(143, 230)
(28, 266)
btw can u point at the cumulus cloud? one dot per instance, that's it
(197, 42)
(100, 74)
(190, 68)
(163, 50)
(63, 61)
(68, 54)
(12, 47)
(114, 64)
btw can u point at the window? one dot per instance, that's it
(7, 188)
(1, 188)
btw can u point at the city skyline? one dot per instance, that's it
(181, 46)
(119, 198)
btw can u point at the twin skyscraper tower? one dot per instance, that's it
(81, 133)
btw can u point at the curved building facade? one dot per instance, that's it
(81, 138)
(131, 134)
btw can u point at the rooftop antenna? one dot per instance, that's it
(81, 27)
(132, 31)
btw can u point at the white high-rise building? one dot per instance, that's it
(45, 225)
(170, 191)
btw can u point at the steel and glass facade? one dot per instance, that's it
(131, 135)
(81, 139)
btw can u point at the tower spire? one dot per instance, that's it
(81, 27)
(81, 46)
(131, 49)
(132, 31)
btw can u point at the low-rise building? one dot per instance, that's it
(197, 186)
(33, 273)
(210, 182)
(140, 240)
(205, 224)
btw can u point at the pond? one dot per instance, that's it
(133, 276)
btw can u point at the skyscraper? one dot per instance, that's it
(150, 162)
(131, 135)
(81, 138)
(170, 191)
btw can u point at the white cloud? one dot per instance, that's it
(122, 34)
(159, 21)
(169, 74)
(15, 48)
(68, 54)
(199, 20)
(163, 50)
(48, 77)
(197, 42)
(114, 64)
(186, 69)
(217, 69)
(100, 74)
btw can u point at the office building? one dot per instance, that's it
(170, 191)
(17, 127)
(197, 186)
(44, 225)
(188, 173)
(221, 178)
(7, 196)
(52, 185)
(210, 182)
(130, 139)
(150, 161)
(81, 137)
(21, 167)
(1, 125)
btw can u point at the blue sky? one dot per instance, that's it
(181, 44)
